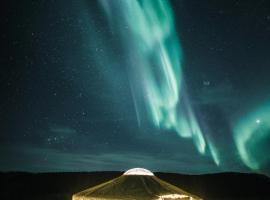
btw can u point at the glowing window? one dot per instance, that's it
(139, 171)
(174, 196)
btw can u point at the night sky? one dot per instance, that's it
(174, 86)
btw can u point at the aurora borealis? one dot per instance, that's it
(251, 133)
(178, 86)
(153, 43)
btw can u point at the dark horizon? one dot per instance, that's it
(121, 172)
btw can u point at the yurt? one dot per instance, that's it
(135, 184)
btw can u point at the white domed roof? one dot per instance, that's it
(139, 171)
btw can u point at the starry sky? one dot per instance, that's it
(174, 86)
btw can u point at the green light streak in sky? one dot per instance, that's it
(152, 25)
(251, 133)
(214, 153)
(156, 57)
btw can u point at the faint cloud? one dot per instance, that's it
(62, 130)
(39, 159)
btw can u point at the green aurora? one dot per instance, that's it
(157, 80)
(108, 85)
(251, 133)
(154, 43)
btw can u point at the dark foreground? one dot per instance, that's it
(61, 186)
